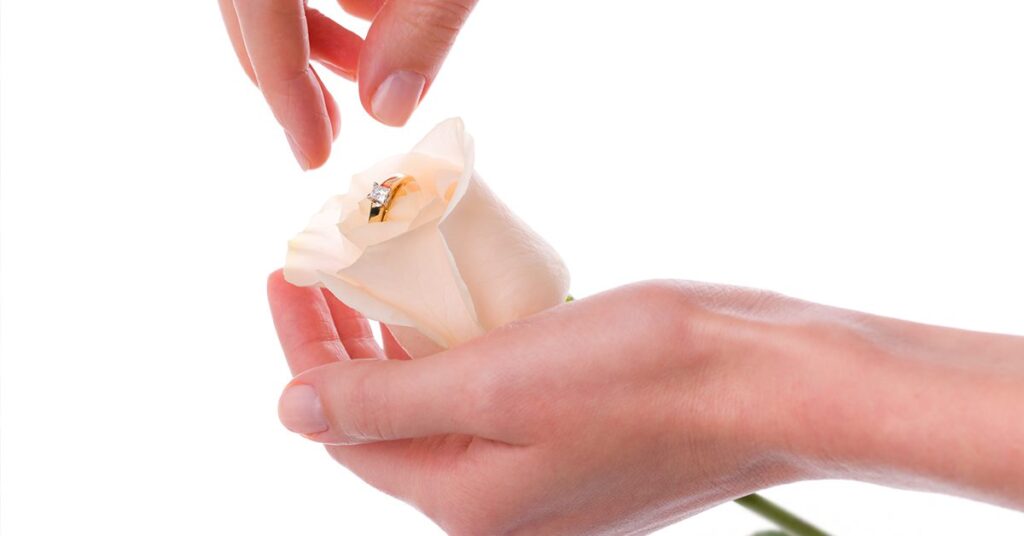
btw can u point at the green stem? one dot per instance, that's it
(780, 516)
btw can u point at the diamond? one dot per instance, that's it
(379, 194)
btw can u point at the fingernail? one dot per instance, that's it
(397, 96)
(300, 410)
(297, 151)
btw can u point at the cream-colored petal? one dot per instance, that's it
(419, 203)
(451, 265)
(510, 271)
(360, 231)
(356, 296)
(320, 247)
(449, 142)
(426, 169)
(414, 277)
(429, 214)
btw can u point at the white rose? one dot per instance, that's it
(451, 261)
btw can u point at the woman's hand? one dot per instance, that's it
(617, 411)
(404, 49)
(631, 409)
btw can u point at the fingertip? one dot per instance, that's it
(276, 283)
(297, 151)
(403, 52)
(364, 9)
(300, 410)
(335, 121)
(304, 110)
(314, 164)
(314, 152)
(397, 97)
(351, 77)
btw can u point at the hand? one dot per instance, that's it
(404, 49)
(606, 412)
(629, 410)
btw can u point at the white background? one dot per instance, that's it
(865, 154)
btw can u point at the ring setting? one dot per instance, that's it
(382, 195)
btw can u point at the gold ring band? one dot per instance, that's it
(384, 194)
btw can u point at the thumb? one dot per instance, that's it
(404, 50)
(367, 400)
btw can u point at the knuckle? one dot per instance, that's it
(661, 302)
(446, 14)
(725, 297)
(439, 20)
(692, 301)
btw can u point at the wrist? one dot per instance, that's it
(759, 356)
(896, 403)
(800, 364)
(794, 391)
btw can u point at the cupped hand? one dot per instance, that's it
(622, 412)
(275, 40)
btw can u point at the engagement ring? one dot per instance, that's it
(384, 194)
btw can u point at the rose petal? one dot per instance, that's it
(417, 206)
(510, 271)
(413, 281)
(320, 247)
(449, 141)
(451, 264)
(358, 230)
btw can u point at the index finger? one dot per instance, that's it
(277, 41)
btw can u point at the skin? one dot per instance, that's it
(276, 41)
(629, 410)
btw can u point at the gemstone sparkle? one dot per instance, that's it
(379, 194)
